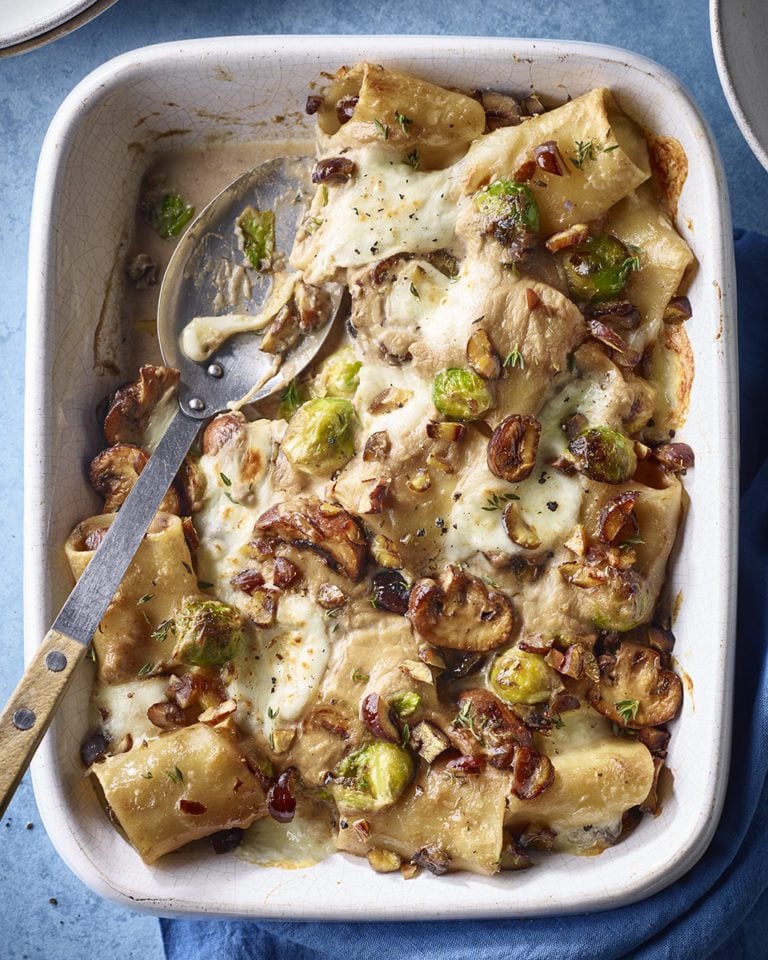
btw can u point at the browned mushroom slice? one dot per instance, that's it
(486, 725)
(518, 530)
(512, 449)
(114, 471)
(221, 430)
(312, 524)
(192, 484)
(460, 612)
(634, 689)
(618, 520)
(500, 110)
(676, 457)
(132, 405)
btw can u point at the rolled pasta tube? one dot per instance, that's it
(613, 161)
(158, 578)
(404, 112)
(181, 787)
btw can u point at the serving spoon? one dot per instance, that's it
(190, 289)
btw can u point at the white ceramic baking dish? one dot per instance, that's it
(197, 91)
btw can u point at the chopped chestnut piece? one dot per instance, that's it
(94, 748)
(678, 310)
(390, 592)
(247, 580)
(384, 552)
(217, 713)
(627, 356)
(460, 612)
(562, 702)
(574, 235)
(532, 773)
(512, 449)
(285, 573)
(482, 357)
(376, 446)
(575, 424)
(429, 741)
(330, 597)
(532, 298)
(345, 107)
(526, 171)
(192, 807)
(94, 538)
(313, 104)
(534, 643)
(547, 156)
(634, 690)
(518, 530)
(334, 170)
(391, 398)
(372, 500)
(433, 858)
(621, 313)
(383, 861)
(224, 841)
(166, 715)
(485, 724)
(374, 712)
(281, 798)
(468, 765)
(443, 430)
(325, 528)
(618, 520)
(660, 638)
(676, 457)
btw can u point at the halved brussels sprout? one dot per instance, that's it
(405, 702)
(208, 632)
(604, 454)
(598, 268)
(320, 437)
(338, 376)
(460, 394)
(507, 200)
(620, 603)
(521, 677)
(373, 776)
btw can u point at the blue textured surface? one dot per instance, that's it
(31, 88)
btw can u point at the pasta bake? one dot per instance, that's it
(417, 605)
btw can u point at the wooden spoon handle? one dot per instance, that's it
(26, 716)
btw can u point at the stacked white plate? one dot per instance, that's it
(28, 24)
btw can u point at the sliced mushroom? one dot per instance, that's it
(518, 530)
(331, 597)
(635, 690)
(486, 725)
(221, 431)
(512, 449)
(656, 739)
(618, 520)
(460, 612)
(500, 110)
(113, 473)
(433, 858)
(482, 357)
(652, 803)
(309, 523)
(132, 405)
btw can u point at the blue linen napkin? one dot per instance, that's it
(717, 910)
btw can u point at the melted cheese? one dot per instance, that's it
(122, 708)
(275, 680)
(386, 208)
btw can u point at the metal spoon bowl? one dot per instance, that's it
(189, 289)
